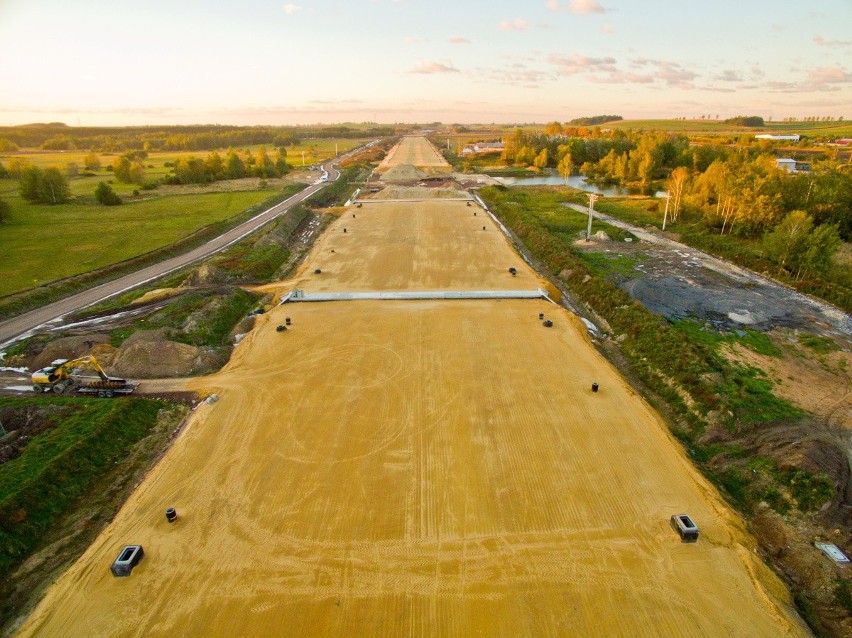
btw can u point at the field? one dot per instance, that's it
(45, 243)
(811, 129)
(388, 468)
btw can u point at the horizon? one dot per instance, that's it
(322, 62)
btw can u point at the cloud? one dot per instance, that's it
(828, 75)
(608, 28)
(831, 43)
(516, 74)
(621, 77)
(433, 67)
(575, 63)
(457, 39)
(576, 6)
(291, 8)
(518, 24)
(729, 75)
(413, 39)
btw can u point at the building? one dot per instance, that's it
(767, 136)
(483, 147)
(787, 164)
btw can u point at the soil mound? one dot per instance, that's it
(204, 275)
(404, 173)
(67, 348)
(419, 192)
(153, 359)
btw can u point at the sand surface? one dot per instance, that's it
(413, 151)
(420, 468)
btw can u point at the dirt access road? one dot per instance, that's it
(428, 468)
(677, 281)
(16, 327)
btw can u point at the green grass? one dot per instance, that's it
(611, 265)
(820, 345)
(815, 129)
(46, 243)
(62, 464)
(751, 339)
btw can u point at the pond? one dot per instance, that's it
(575, 181)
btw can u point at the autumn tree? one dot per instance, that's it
(565, 167)
(92, 162)
(137, 172)
(676, 185)
(214, 166)
(540, 160)
(121, 169)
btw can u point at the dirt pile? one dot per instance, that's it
(404, 173)
(66, 348)
(154, 359)
(205, 275)
(416, 192)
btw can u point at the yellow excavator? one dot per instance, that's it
(64, 375)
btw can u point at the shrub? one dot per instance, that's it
(106, 196)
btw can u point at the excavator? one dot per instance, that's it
(63, 375)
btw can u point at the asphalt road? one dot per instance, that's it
(22, 324)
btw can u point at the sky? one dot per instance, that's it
(118, 62)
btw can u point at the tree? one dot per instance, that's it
(554, 128)
(106, 196)
(7, 145)
(677, 183)
(281, 162)
(121, 169)
(786, 243)
(263, 165)
(137, 172)
(47, 186)
(17, 165)
(235, 168)
(190, 170)
(821, 246)
(92, 162)
(5, 210)
(3, 172)
(540, 160)
(214, 166)
(72, 169)
(565, 167)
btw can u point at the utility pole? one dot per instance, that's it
(303, 158)
(592, 198)
(666, 214)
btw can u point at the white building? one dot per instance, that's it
(787, 164)
(767, 136)
(483, 147)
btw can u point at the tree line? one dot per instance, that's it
(59, 137)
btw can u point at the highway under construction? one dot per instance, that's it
(420, 453)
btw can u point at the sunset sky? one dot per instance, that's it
(102, 62)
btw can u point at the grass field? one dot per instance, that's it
(45, 243)
(315, 151)
(821, 129)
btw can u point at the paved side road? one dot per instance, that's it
(28, 322)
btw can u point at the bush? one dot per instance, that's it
(5, 210)
(106, 196)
